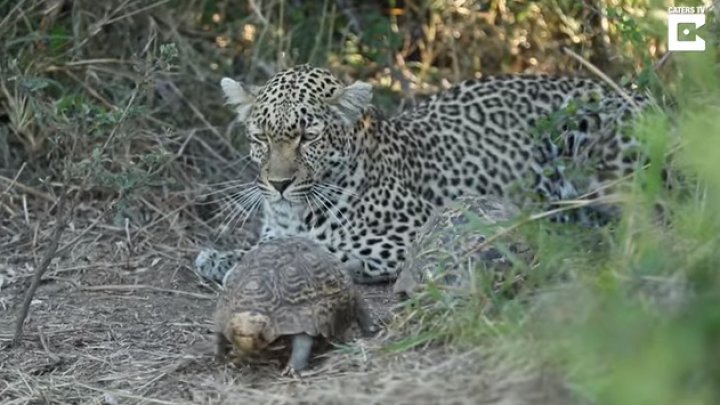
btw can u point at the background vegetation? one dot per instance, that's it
(117, 105)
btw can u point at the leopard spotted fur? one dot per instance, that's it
(334, 169)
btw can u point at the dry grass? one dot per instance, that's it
(121, 318)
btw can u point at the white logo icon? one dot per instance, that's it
(683, 23)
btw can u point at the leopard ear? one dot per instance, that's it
(350, 102)
(239, 96)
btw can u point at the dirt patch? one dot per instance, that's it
(122, 319)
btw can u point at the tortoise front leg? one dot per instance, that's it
(300, 356)
(364, 317)
(223, 347)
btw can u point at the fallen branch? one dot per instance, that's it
(50, 253)
(14, 183)
(138, 287)
(599, 73)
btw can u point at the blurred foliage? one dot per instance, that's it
(105, 54)
(628, 312)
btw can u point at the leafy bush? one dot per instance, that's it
(629, 312)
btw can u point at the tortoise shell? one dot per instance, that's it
(295, 286)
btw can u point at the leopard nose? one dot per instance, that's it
(281, 185)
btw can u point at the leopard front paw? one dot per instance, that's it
(213, 265)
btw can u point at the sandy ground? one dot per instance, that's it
(120, 318)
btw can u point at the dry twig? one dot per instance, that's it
(137, 287)
(599, 73)
(14, 183)
(50, 253)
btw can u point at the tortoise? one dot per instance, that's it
(454, 241)
(287, 291)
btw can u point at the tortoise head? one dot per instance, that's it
(246, 331)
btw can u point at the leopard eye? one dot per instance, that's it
(260, 137)
(309, 137)
(312, 131)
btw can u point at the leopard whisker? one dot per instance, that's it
(227, 202)
(231, 182)
(330, 211)
(241, 187)
(329, 205)
(242, 205)
(336, 189)
(332, 204)
(240, 199)
(310, 204)
(225, 191)
(250, 211)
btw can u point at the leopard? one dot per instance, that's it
(334, 168)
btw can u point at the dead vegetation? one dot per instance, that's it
(121, 318)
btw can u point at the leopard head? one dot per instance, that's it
(298, 124)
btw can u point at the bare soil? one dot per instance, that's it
(121, 318)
